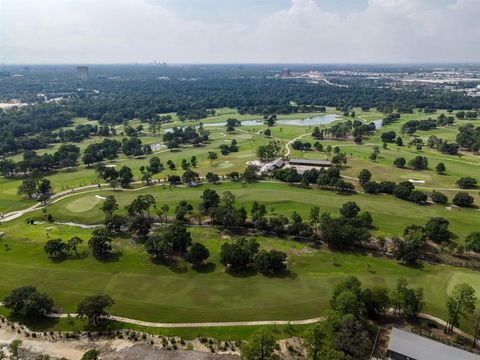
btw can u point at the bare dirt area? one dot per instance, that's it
(144, 352)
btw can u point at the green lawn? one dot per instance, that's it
(143, 290)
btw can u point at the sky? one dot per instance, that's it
(239, 31)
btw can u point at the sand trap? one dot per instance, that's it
(416, 181)
(100, 197)
(111, 165)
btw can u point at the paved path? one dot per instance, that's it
(292, 141)
(204, 324)
(428, 317)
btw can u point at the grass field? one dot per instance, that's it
(143, 290)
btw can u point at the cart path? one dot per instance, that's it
(424, 316)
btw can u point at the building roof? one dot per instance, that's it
(310, 162)
(278, 163)
(420, 348)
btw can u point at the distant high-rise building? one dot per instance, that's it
(82, 73)
(286, 72)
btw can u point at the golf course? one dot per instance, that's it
(178, 293)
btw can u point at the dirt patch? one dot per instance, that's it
(143, 352)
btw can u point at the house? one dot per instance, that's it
(271, 166)
(405, 345)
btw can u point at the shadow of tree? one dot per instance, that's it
(205, 268)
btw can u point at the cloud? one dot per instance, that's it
(115, 31)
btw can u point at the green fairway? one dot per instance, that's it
(143, 290)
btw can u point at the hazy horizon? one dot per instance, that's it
(233, 32)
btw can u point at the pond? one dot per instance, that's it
(316, 120)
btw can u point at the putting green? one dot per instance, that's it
(83, 204)
(225, 165)
(462, 277)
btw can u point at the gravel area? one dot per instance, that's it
(142, 352)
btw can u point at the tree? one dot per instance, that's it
(28, 302)
(407, 300)
(212, 155)
(73, 243)
(141, 205)
(28, 187)
(155, 165)
(466, 183)
(56, 249)
(239, 255)
(463, 199)
(400, 162)
(350, 335)
(314, 217)
(436, 229)
(268, 152)
(350, 209)
(440, 168)
(174, 180)
(197, 254)
(126, 176)
(438, 197)
(183, 208)
(314, 341)
(388, 136)
(418, 197)
(158, 247)
(140, 227)
(91, 355)
(418, 163)
(109, 206)
(193, 161)
(100, 244)
(472, 242)
(178, 237)
(364, 176)
(212, 178)
(94, 308)
(260, 347)
(409, 249)
(190, 177)
(272, 262)
(460, 303)
(250, 174)
(210, 200)
(164, 212)
(376, 301)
